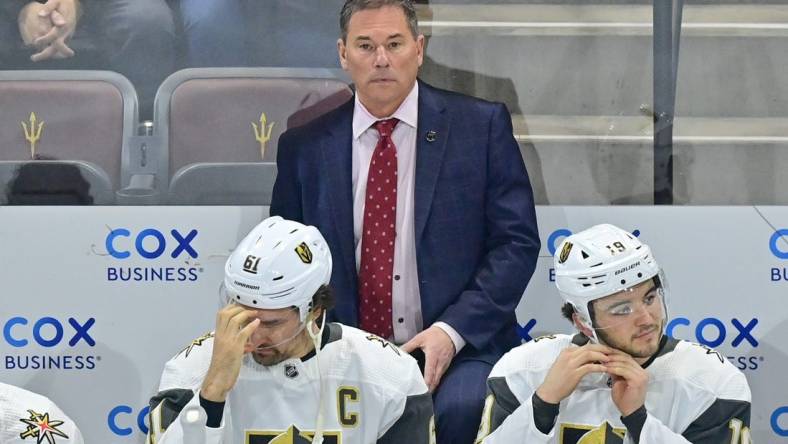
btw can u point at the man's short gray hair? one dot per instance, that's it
(353, 6)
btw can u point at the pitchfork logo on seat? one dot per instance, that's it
(262, 133)
(40, 427)
(33, 133)
(304, 253)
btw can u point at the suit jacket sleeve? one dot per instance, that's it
(511, 246)
(286, 195)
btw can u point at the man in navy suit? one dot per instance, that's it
(424, 200)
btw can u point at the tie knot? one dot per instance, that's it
(385, 127)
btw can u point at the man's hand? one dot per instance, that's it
(47, 27)
(31, 25)
(233, 330)
(438, 352)
(64, 15)
(569, 368)
(630, 382)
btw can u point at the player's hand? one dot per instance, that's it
(569, 368)
(233, 329)
(438, 352)
(630, 382)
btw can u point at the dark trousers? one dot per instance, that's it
(459, 401)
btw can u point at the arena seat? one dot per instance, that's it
(77, 116)
(220, 127)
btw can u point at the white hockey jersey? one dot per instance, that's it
(26, 417)
(372, 393)
(694, 396)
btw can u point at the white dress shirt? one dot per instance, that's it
(405, 297)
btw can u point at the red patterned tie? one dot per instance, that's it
(377, 239)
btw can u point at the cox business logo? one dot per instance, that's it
(122, 419)
(778, 413)
(48, 332)
(555, 239)
(778, 244)
(152, 244)
(713, 332)
(524, 331)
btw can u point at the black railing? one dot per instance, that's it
(667, 35)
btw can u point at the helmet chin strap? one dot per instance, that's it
(317, 339)
(596, 377)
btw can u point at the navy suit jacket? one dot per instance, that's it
(475, 224)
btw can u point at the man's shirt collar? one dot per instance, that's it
(407, 113)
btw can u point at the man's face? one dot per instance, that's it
(282, 327)
(631, 320)
(382, 57)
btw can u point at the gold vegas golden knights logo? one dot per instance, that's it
(33, 133)
(583, 434)
(304, 253)
(262, 133)
(565, 253)
(290, 436)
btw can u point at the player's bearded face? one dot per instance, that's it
(632, 321)
(280, 336)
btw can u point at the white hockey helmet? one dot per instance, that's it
(598, 262)
(279, 264)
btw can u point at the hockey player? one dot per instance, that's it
(620, 379)
(274, 372)
(28, 417)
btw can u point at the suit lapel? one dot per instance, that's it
(432, 134)
(338, 161)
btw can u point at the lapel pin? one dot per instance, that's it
(431, 136)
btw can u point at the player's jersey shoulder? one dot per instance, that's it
(19, 400)
(702, 367)
(534, 356)
(189, 366)
(22, 411)
(381, 361)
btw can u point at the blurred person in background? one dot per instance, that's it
(133, 37)
(291, 33)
